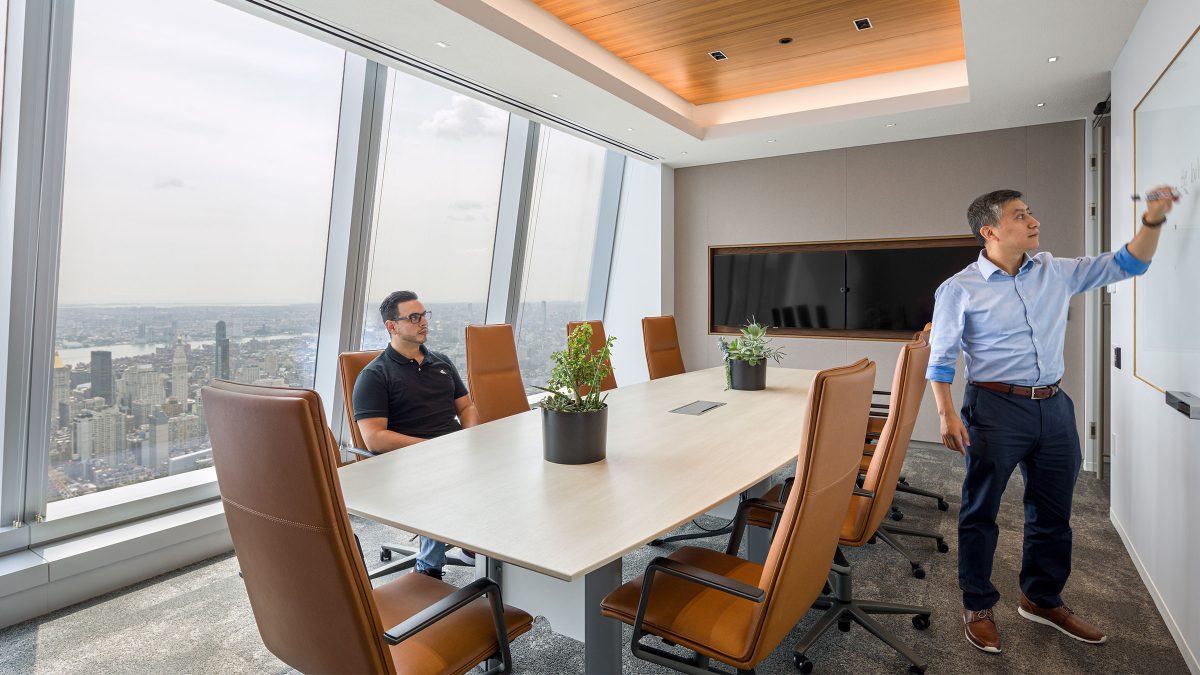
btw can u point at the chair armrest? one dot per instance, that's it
(447, 606)
(743, 515)
(361, 452)
(700, 576)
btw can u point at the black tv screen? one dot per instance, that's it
(800, 289)
(892, 289)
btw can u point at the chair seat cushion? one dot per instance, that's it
(457, 643)
(694, 616)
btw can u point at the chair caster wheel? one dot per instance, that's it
(802, 664)
(844, 625)
(656, 542)
(902, 480)
(897, 516)
(943, 547)
(918, 572)
(942, 505)
(916, 670)
(385, 555)
(921, 622)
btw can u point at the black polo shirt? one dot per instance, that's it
(417, 399)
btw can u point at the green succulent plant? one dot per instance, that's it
(753, 347)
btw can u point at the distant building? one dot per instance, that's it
(100, 435)
(221, 365)
(141, 383)
(179, 371)
(102, 376)
(61, 392)
(183, 432)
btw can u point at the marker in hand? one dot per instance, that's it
(1159, 194)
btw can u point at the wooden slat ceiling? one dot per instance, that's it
(670, 40)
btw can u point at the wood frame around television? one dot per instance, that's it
(955, 241)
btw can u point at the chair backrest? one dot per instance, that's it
(797, 565)
(908, 388)
(598, 337)
(350, 365)
(493, 373)
(277, 475)
(663, 358)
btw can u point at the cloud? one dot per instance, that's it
(468, 205)
(167, 183)
(466, 118)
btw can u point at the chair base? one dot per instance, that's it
(843, 609)
(697, 664)
(887, 530)
(903, 486)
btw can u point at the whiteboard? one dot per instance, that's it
(1166, 343)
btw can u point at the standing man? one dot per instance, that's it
(1008, 312)
(409, 394)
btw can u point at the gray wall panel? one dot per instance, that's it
(906, 189)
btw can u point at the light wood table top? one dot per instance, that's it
(488, 489)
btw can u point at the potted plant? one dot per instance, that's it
(746, 358)
(575, 415)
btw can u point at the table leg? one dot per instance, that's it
(758, 539)
(602, 635)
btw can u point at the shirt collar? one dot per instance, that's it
(987, 268)
(400, 358)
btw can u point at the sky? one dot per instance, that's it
(200, 157)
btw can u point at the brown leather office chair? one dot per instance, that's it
(493, 372)
(277, 474)
(904, 487)
(598, 337)
(735, 611)
(868, 507)
(350, 365)
(663, 358)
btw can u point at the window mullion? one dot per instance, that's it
(350, 221)
(512, 220)
(606, 235)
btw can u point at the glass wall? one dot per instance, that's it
(564, 212)
(199, 163)
(437, 196)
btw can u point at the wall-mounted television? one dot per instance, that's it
(875, 288)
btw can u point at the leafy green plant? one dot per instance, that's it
(753, 347)
(574, 384)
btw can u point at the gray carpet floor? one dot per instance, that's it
(198, 620)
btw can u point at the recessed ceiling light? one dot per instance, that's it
(890, 125)
(553, 95)
(1052, 59)
(785, 41)
(1042, 104)
(628, 128)
(684, 152)
(862, 24)
(770, 140)
(718, 55)
(441, 44)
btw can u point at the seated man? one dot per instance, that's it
(409, 394)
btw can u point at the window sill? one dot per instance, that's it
(88, 513)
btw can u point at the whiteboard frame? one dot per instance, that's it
(1136, 219)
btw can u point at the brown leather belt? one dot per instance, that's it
(1036, 393)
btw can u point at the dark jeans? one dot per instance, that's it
(1039, 436)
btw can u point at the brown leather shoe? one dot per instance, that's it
(981, 630)
(1063, 619)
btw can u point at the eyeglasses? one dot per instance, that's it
(415, 317)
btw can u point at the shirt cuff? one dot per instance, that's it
(1129, 262)
(940, 373)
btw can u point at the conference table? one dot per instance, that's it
(553, 535)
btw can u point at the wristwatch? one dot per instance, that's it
(1150, 224)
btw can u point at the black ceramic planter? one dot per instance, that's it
(745, 377)
(574, 437)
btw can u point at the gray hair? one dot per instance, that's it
(987, 210)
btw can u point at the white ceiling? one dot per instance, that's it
(514, 47)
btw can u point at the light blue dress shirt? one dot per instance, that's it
(1012, 329)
